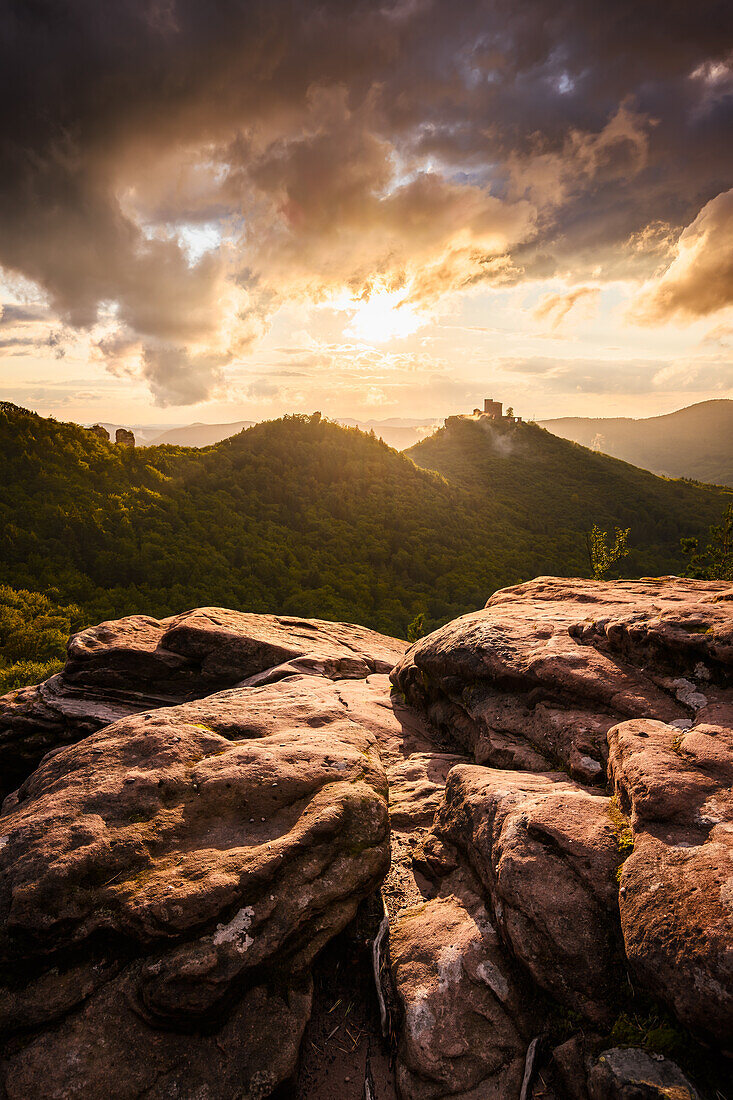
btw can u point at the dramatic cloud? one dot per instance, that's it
(699, 281)
(12, 315)
(175, 172)
(178, 378)
(262, 390)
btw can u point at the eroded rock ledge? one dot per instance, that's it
(542, 796)
(121, 668)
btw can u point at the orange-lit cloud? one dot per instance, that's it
(699, 281)
(554, 308)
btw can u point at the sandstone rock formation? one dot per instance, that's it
(676, 890)
(540, 675)
(545, 851)
(130, 665)
(176, 860)
(629, 684)
(540, 805)
(466, 1018)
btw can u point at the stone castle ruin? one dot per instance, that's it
(492, 410)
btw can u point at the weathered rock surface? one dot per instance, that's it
(200, 855)
(236, 785)
(466, 1019)
(633, 1075)
(546, 854)
(564, 672)
(463, 1012)
(122, 667)
(105, 1049)
(676, 895)
(542, 673)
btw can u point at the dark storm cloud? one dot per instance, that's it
(555, 134)
(16, 342)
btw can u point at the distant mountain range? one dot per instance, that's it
(396, 432)
(200, 435)
(696, 442)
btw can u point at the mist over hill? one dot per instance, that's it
(696, 442)
(302, 516)
(554, 490)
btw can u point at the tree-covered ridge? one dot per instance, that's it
(555, 491)
(693, 442)
(301, 516)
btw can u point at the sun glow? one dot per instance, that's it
(384, 315)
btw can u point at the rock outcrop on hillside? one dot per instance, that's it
(539, 804)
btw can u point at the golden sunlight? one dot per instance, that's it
(384, 315)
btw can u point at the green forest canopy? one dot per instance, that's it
(33, 634)
(301, 516)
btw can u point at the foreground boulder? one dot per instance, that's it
(129, 665)
(536, 816)
(633, 1075)
(181, 869)
(676, 892)
(546, 854)
(543, 672)
(626, 684)
(466, 1016)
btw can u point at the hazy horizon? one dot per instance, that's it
(161, 426)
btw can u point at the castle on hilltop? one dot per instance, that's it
(492, 410)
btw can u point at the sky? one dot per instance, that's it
(234, 209)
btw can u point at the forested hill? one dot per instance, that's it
(548, 491)
(556, 485)
(301, 516)
(693, 442)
